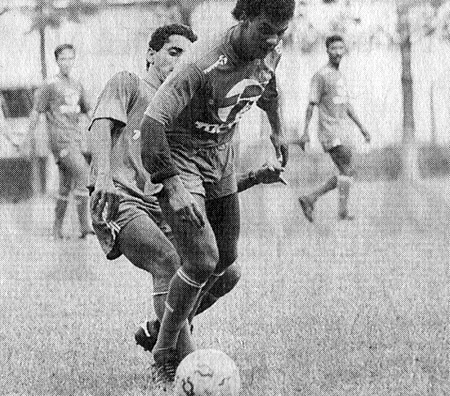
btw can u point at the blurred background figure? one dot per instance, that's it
(330, 95)
(63, 101)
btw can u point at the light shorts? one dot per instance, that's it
(129, 208)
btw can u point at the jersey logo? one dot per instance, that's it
(71, 99)
(219, 62)
(341, 92)
(239, 99)
(136, 134)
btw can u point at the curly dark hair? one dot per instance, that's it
(161, 35)
(332, 39)
(60, 48)
(276, 10)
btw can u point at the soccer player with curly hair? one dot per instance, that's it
(126, 215)
(187, 146)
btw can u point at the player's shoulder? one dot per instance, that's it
(206, 54)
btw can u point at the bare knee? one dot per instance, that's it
(201, 261)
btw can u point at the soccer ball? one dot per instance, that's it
(207, 372)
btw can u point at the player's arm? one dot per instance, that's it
(267, 174)
(171, 98)
(105, 198)
(352, 114)
(269, 103)
(41, 105)
(308, 115)
(109, 116)
(315, 94)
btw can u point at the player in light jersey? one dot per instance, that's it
(186, 146)
(126, 215)
(329, 94)
(63, 101)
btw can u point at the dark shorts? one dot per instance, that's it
(341, 156)
(129, 208)
(207, 171)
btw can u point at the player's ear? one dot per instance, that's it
(150, 56)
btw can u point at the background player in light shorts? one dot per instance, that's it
(63, 101)
(329, 94)
(126, 215)
(187, 146)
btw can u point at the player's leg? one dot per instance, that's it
(62, 200)
(77, 165)
(342, 157)
(307, 201)
(146, 247)
(199, 257)
(225, 283)
(224, 216)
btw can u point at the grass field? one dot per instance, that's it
(330, 308)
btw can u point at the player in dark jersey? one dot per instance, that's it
(186, 146)
(329, 94)
(63, 101)
(126, 215)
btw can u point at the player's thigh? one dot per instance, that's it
(196, 246)
(224, 216)
(342, 157)
(143, 243)
(78, 168)
(65, 180)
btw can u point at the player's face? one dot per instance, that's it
(261, 35)
(166, 58)
(336, 51)
(65, 61)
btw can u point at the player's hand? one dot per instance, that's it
(304, 139)
(182, 202)
(366, 135)
(269, 173)
(105, 199)
(281, 149)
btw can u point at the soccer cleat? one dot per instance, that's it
(164, 369)
(147, 334)
(307, 207)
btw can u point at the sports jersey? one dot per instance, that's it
(63, 101)
(124, 100)
(329, 92)
(210, 90)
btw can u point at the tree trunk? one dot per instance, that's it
(433, 131)
(42, 52)
(409, 168)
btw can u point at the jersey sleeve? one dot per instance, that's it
(175, 94)
(116, 98)
(316, 88)
(42, 98)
